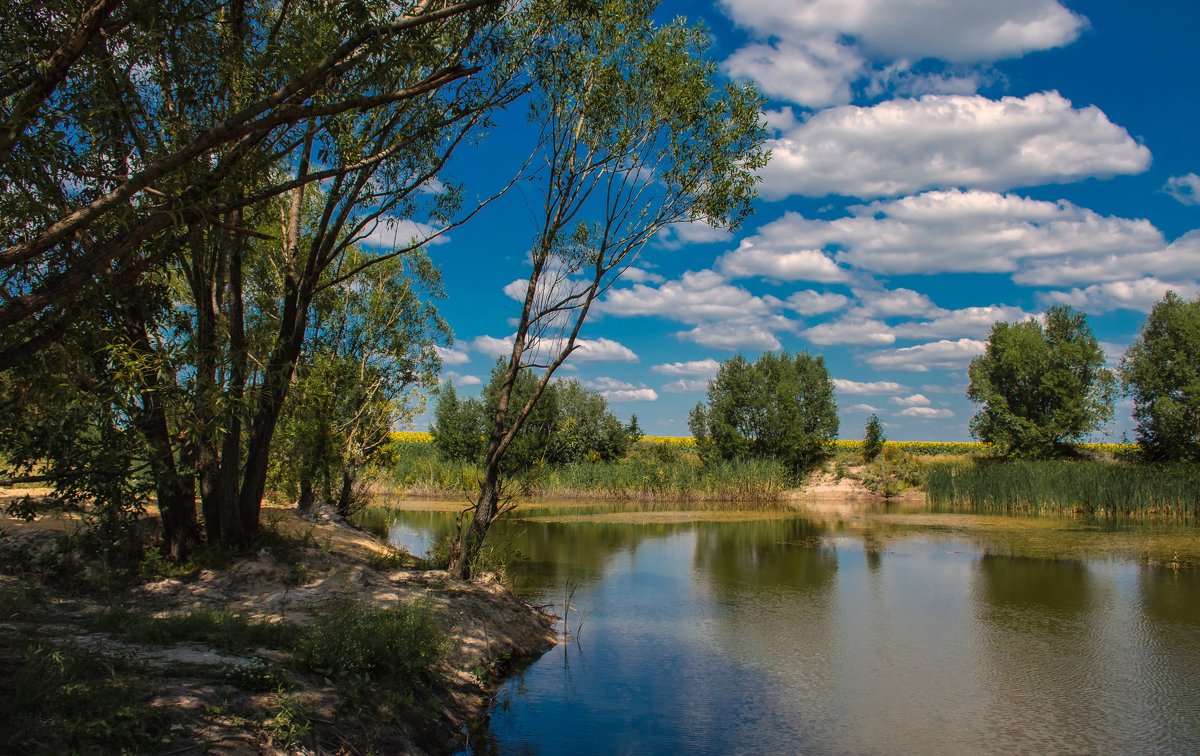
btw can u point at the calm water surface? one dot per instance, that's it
(811, 635)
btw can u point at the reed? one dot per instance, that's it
(1102, 489)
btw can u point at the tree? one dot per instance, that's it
(633, 430)
(368, 360)
(1040, 384)
(457, 427)
(777, 407)
(186, 180)
(873, 438)
(636, 134)
(1161, 371)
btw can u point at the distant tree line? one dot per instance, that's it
(569, 423)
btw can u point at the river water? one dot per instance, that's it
(875, 633)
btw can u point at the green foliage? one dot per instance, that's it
(1040, 385)
(569, 423)
(61, 700)
(291, 722)
(777, 407)
(218, 628)
(1161, 371)
(892, 474)
(1067, 486)
(348, 638)
(634, 431)
(457, 427)
(873, 438)
(369, 356)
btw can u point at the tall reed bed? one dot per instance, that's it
(1103, 489)
(648, 478)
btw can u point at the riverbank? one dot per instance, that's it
(248, 654)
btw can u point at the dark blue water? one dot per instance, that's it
(792, 636)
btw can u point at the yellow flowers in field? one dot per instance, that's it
(412, 436)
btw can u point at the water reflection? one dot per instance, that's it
(845, 634)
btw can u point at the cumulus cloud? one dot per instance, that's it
(968, 321)
(778, 259)
(864, 408)
(935, 355)
(915, 400)
(1185, 188)
(850, 331)
(889, 303)
(965, 231)
(942, 141)
(1138, 295)
(396, 233)
(732, 336)
(631, 395)
(686, 385)
(638, 275)
(926, 412)
(587, 350)
(706, 368)
(809, 302)
(604, 383)
(451, 356)
(463, 380)
(678, 235)
(815, 72)
(953, 30)
(1180, 259)
(866, 387)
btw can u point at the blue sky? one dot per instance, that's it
(938, 165)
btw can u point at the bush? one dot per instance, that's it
(348, 638)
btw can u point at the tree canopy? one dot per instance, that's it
(1161, 371)
(777, 407)
(1039, 385)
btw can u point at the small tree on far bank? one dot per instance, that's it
(873, 438)
(1041, 384)
(633, 430)
(1161, 371)
(777, 407)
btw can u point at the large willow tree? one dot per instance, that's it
(181, 182)
(637, 132)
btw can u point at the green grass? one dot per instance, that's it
(217, 628)
(1105, 489)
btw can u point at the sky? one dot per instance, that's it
(937, 165)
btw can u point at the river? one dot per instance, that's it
(831, 631)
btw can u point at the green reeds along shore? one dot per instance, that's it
(1101, 489)
(653, 471)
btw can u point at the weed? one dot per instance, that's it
(291, 722)
(217, 628)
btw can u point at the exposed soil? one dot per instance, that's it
(315, 561)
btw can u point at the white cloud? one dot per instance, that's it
(1185, 188)
(926, 412)
(780, 260)
(966, 231)
(463, 380)
(1180, 258)
(864, 408)
(638, 275)
(936, 355)
(678, 235)
(517, 289)
(696, 297)
(903, 146)
(1138, 295)
(969, 321)
(705, 368)
(451, 356)
(809, 302)
(685, 385)
(493, 347)
(890, 303)
(604, 383)
(915, 400)
(587, 350)
(394, 233)
(850, 331)
(953, 30)
(732, 336)
(866, 387)
(815, 72)
(631, 395)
